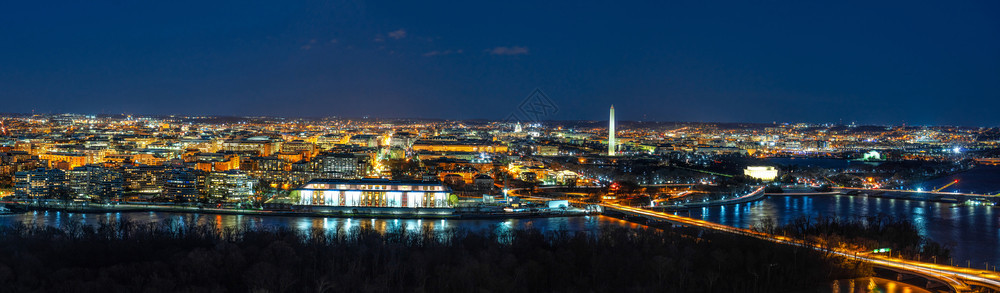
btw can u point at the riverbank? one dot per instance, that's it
(325, 212)
(917, 182)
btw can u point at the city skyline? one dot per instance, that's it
(438, 119)
(518, 174)
(541, 146)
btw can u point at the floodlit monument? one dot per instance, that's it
(611, 132)
(766, 173)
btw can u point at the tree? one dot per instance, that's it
(640, 200)
(625, 187)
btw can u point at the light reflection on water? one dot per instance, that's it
(972, 231)
(329, 225)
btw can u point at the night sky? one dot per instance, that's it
(913, 62)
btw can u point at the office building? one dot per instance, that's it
(230, 186)
(40, 183)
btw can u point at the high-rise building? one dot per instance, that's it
(181, 185)
(40, 182)
(142, 179)
(342, 166)
(95, 182)
(231, 186)
(611, 132)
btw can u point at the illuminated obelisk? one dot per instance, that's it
(611, 132)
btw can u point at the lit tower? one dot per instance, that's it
(611, 132)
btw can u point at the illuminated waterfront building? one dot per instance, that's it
(373, 193)
(766, 173)
(95, 182)
(181, 185)
(230, 186)
(39, 183)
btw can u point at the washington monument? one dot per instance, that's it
(611, 132)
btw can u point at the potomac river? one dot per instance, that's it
(577, 223)
(972, 231)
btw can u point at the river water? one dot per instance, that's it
(971, 231)
(580, 223)
(980, 180)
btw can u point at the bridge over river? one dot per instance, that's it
(920, 194)
(957, 279)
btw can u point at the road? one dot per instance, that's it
(957, 278)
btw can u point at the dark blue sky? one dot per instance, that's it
(934, 62)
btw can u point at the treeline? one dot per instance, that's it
(120, 256)
(861, 233)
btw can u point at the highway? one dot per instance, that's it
(956, 278)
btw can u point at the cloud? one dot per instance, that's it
(510, 51)
(397, 34)
(309, 45)
(442, 53)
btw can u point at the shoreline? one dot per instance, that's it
(945, 174)
(372, 213)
